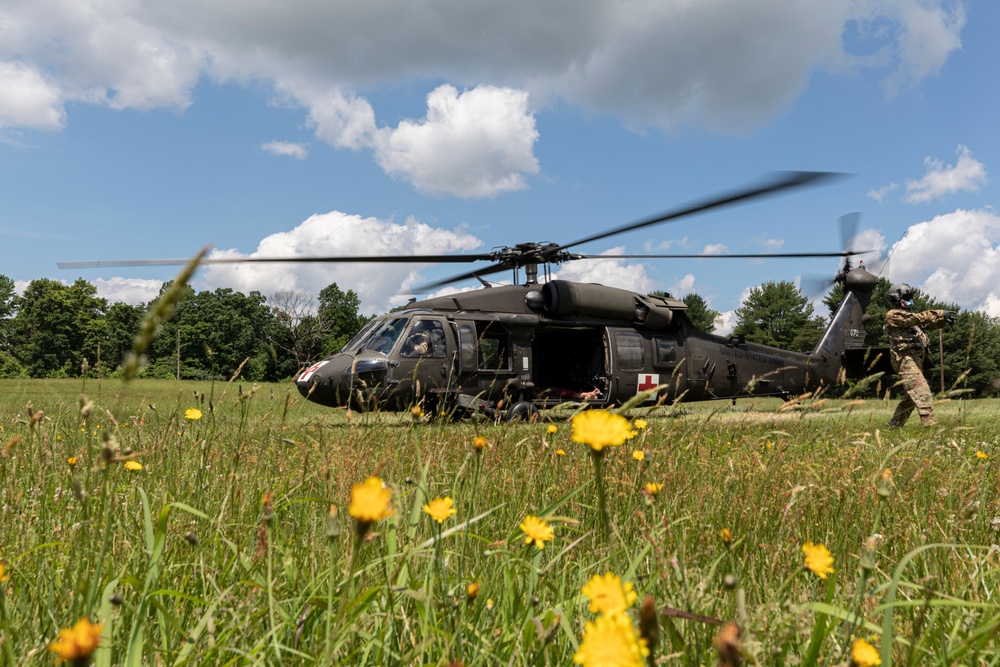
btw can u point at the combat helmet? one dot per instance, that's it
(900, 294)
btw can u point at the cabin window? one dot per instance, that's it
(424, 339)
(666, 352)
(467, 346)
(630, 351)
(494, 348)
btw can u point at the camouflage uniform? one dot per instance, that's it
(907, 349)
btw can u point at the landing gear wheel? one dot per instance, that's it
(521, 411)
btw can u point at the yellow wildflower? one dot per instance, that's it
(479, 442)
(640, 424)
(610, 641)
(653, 488)
(3, 572)
(552, 429)
(982, 455)
(472, 591)
(600, 429)
(192, 414)
(72, 460)
(440, 508)
(536, 530)
(608, 595)
(561, 452)
(79, 642)
(639, 455)
(133, 466)
(818, 559)
(417, 412)
(864, 654)
(726, 535)
(370, 501)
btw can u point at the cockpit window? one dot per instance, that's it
(383, 338)
(425, 339)
(360, 337)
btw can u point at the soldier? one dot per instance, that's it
(907, 348)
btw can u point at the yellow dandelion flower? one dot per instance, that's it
(370, 501)
(472, 591)
(608, 595)
(639, 455)
(610, 641)
(479, 442)
(560, 452)
(3, 572)
(536, 530)
(441, 508)
(982, 455)
(864, 654)
(726, 535)
(133, 466)
(72, 460)
(417, 412)
(653, 488)
(600, 429)
(79, 642)
(552, 429)
(192, 414)
(640, 424)
(818, 559)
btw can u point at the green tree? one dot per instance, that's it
(121, 324)
(340, 309)
(699, 313)
(7, 297)
(214, 333)
(298, 329)
(57, 326)
(775, 314)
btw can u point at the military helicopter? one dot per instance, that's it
(509, 350)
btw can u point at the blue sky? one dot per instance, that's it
(133, 129)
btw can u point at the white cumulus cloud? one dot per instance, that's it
(726, 64)
(134, 291)
(338, 234)
(609, 270)
(27, 99)
(966, 174)
(473, 144)
(954, 257)
(295, 150)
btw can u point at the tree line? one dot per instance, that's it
(50, 329)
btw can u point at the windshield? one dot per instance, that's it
(361, 336)
(382, 338)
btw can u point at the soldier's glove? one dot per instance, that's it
(949, 316)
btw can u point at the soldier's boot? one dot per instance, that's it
(927, 417)
(894, 423)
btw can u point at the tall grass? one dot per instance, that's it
(233, 544)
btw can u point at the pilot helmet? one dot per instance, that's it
(901, 294)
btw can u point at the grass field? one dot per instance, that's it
(234, 544)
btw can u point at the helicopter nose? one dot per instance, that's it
(321, 382)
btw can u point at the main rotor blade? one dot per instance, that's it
(373, 259)
(484, 271)
(783, 181)
(778, 255)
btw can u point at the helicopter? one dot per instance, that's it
(508, 351)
